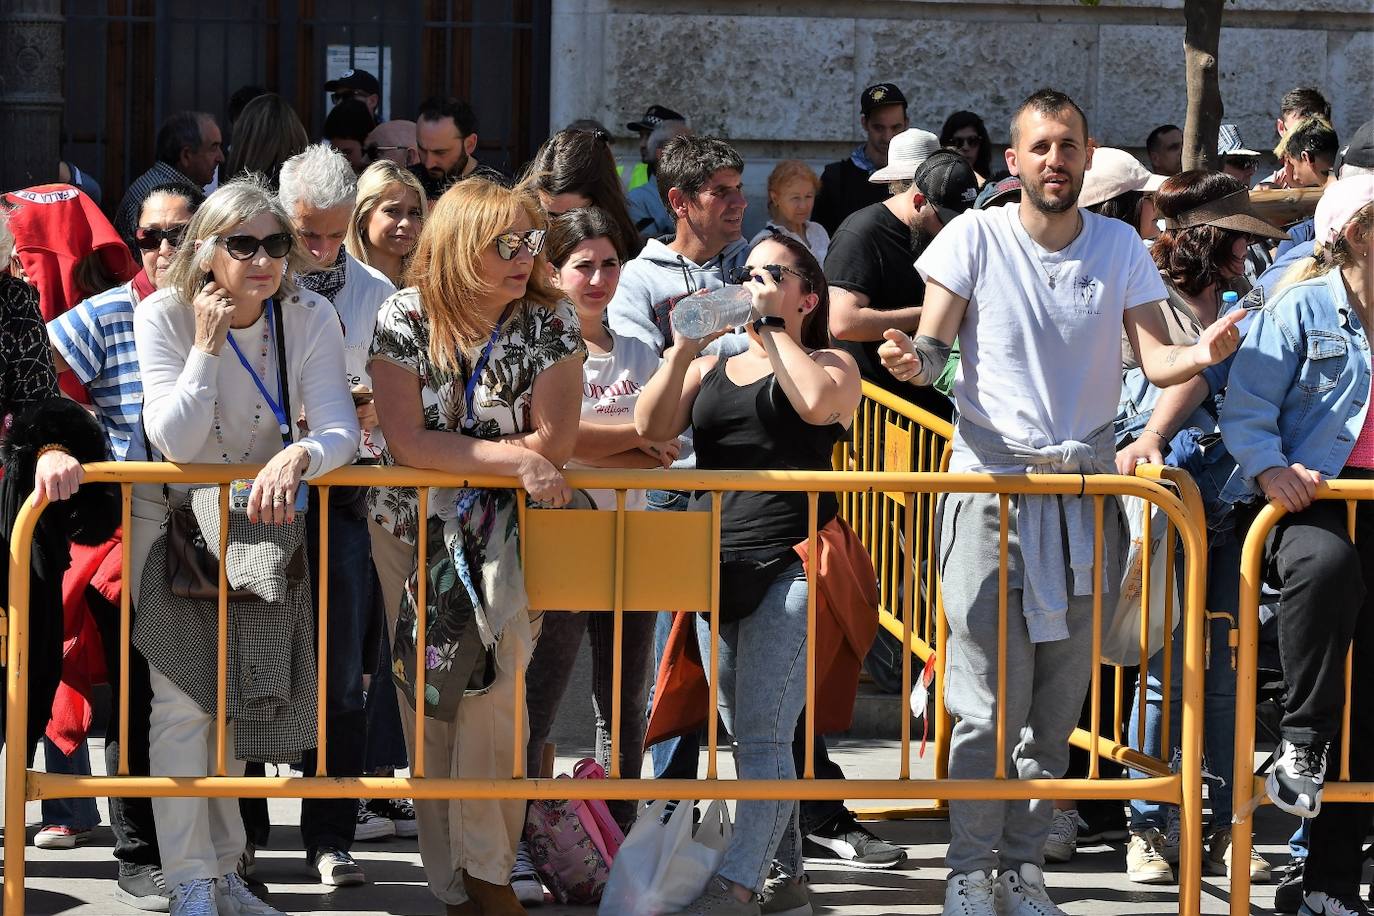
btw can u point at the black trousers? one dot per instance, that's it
(1326, 608)
(131, 819)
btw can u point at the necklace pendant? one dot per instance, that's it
(1051, 282)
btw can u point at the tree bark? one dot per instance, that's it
(1201, 38)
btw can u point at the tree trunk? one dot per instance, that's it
(1200, 41)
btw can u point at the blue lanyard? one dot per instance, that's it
(283, 423)
(470, 387)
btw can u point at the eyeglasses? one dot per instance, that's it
(1244, 163)
(962, 142)
(243, 247)
(373, 151)
(149, 239)
(508, 243)
(742, 274)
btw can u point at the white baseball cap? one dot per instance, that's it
(1115, 171)
(905, 154)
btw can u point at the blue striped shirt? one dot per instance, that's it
(97, 340)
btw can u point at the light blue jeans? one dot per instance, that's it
(762, 690)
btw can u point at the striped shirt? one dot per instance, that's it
(97, 340)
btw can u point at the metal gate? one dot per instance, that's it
(130, 63)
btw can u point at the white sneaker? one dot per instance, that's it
(235, 899)
(969, 895)
(194, 898)
(1022, 893)
(1145, 862)
(524, 879)
(1062, 842)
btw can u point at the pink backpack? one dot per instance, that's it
(572, 843)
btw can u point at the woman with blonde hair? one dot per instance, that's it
(477, 369)
(231, 354)
(792, 189)
(267, 133)
(387, 218)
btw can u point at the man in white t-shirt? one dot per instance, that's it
(1037, 293)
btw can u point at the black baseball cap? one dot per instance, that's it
(948, 182)
(1360, 152)
(878, 95)
(357, 80)
(654, 116)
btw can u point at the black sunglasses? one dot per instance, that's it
(243, 247)
(742, 274)
(374, 152)
(149, 239)
(508, 243)
(965, 141)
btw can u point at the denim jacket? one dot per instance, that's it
(1300, 384)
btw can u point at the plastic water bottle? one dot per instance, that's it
(1228, 300)
(702, 314)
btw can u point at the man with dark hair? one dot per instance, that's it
(346, 128)
(1164, 146)
(1037, 294)
(844, 185)
(189, 150)
(1297, 105)
(446, 135)
(1308, 152)
(873, 283)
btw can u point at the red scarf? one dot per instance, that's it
(143, 286)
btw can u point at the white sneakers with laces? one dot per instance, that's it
(235, 899)
(1022, 893)
(969, 895)
(194, 898)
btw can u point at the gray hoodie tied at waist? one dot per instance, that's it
(1040, 520)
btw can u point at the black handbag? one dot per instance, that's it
(746, 576)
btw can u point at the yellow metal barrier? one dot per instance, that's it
(563, 572)
(1249, 789)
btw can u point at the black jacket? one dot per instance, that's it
(844, 188)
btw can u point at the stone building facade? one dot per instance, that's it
(782, 79)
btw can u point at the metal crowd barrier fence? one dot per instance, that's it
(567, 567)
(1249, 791)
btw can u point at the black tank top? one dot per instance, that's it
(755, 428)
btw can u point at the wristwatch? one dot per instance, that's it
(769, 321)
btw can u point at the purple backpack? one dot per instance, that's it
(573, 842)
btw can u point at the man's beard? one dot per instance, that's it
(1045, 205)
(453, 173)
(921, 237)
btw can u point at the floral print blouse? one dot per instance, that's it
(532, 339)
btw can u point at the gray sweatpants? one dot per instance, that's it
(1046, 684)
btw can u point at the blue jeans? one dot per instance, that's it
(1219, 694)
(762, 690)
(675, 758)
(78, 814)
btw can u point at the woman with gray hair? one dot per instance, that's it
(232, 353)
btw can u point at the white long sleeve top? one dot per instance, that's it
(182, 383)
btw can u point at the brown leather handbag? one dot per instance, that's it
(192, 570)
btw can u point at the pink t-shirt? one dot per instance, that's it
(1362, 455)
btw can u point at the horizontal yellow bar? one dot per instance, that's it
(48, 785)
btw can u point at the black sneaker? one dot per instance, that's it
(1288, 895)
(1101, 822)
(845, 840)
(399, 811)
(1295, 782)
(1318, 903)
(144, 888)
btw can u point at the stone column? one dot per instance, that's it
(31, 62)
(577, 62)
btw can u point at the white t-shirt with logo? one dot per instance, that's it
(611, 383)
(1041, 339)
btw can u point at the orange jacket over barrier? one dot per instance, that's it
(846, 622)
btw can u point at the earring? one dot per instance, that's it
(801, 311)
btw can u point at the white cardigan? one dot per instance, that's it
(182, 383)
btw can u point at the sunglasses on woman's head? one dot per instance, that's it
(152, 239)
(742, 274)
(508, 243)
(243, 247)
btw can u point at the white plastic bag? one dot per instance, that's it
(1121, 631)
(662, 867)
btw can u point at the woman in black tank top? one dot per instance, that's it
(780, 405)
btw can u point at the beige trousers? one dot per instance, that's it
(477, 836)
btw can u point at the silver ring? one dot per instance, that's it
(223, 300)
(279, 499)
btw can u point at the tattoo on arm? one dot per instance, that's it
(833, 418)
(1173, 356)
